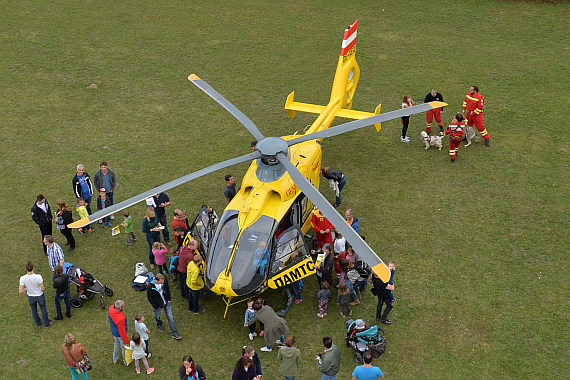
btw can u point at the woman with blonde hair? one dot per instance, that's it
(73, 351)
(151, 227)
(64, 217)
(406, 103)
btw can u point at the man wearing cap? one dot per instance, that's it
(104, 202)
(83, 187)
(105, 177)
(41, 215)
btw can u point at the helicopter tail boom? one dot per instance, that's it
(344, 85)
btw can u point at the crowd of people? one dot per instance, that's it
(183, 263)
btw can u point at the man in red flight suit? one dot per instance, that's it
(322, 228)
(455, 131)
(434, 96)
(474, 104)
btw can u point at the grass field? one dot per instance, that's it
(481, 245)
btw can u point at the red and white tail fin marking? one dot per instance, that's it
(349, 38)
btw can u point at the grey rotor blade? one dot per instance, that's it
(359, 245)
(240, 116)
(159, 189)
(357, 124)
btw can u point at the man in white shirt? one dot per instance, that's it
(33, 284)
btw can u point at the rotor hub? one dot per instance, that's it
(269, 168)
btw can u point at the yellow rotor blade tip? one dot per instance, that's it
(193, 77)
(79, 223)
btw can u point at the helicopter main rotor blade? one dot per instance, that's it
(359, 245)
(357, 124)
(159, 189)
(240, 116)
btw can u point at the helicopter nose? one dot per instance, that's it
(223, 286)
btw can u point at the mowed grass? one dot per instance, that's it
(481, 245)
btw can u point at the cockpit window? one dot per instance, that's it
(223, 244)
(252, 255)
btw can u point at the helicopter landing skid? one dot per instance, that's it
(285, 308)
(228, 302)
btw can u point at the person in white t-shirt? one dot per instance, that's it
(33, 284)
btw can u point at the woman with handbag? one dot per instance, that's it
(76, 358)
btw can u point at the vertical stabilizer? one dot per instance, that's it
(347, 71)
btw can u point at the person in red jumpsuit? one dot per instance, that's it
(473, 103)
(322, 228)
(455, 131)
(434, 96)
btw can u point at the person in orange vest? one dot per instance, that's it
(323, 228)
(473, 104)
(434, 96)
(455, 131)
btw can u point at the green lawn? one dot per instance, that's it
(481, 245)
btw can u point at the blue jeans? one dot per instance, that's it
(75, 374)
(193, 296)
(360, 286)
(282, 339)
(41, 300)
(289, 377)
(168, 311)
(183, 286)
(351, 289)
(110, 195)
(329, 377)
(118, 347)
(297, 289)
(88, 203)
(150, 239)
(340, 187)
(65, 298)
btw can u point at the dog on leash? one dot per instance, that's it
(470, 133)
(431, 140)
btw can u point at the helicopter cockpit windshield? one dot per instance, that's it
(222, 246)
(252, 255)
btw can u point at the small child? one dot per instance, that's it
(102, 203)
(260, 258)
(158, 250)
(323, 296)
(343, 299)
(82, 211)
(138, 348)
(143, 331)
(173, 265)
(249, 352)
(249, 315)
(392, 267)
(129, 228)
(339, 251)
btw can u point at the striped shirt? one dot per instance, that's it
(54, 253)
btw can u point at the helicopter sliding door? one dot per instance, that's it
(290, 249)
(203, 227)
(222, 246)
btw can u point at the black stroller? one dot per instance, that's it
(364, 338)
(87, 286)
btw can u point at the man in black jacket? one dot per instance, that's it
(158, 294)
(41, 214)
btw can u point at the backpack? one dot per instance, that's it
(142, 281)
(363, 269)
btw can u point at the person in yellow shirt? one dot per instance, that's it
(195, 282)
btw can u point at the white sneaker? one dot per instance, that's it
(250, 336)
(405, 140)
(319, 315)
(254, 333)
(265, 349)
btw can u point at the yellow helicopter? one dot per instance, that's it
(258, 241)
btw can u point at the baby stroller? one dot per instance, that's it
(364, 338)
(87, 286)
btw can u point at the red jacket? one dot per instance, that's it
(456, 131)
(118, 322)
(320, 223)
(185, 255)
(474, 103)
